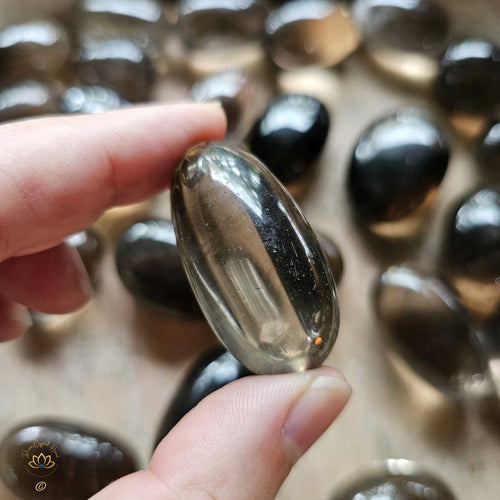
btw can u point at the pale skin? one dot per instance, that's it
(58, 175)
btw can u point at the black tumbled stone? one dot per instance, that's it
(290, 136)
(149, 265)
(213, 370)
(397, 164)
(59, 460)
(489, 148)
(469, 77)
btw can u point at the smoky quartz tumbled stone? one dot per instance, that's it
(119, 64)
(469, 78)
(149, 265)
(215, 369)
(428, 327)
(310, 33)
(397, 165)
(28, 98)
(398, 480)
(34, 49)
(254, 262)
(404, 38)
(61, 461)
(91, 99)
(290, 136)
(471, 250)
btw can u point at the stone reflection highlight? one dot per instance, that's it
(253, 261)
(428, 327)
(91, 99)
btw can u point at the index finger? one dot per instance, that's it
(57, 175)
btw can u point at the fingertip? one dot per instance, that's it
(15, 319)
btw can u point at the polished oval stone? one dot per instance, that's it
(35, 49)
(310, 33)
(140, 20)
(469, 78)
(218, 22)
(333, 255)
(119, 64)
(27, 98)
(90, 246)
(215, 369)
(397, 164)
(290, 136)
(242, 96)
(489, 148)
(471, 250)
(253, 261)
(149, 265)
(91, 99)
(402, 480)
(59, 460)
(427, 326)
(404, 38)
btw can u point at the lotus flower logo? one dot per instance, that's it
(41, 462)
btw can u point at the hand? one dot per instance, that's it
(57, 176)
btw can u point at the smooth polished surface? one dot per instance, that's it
(59, 460)
(428, 327)
(35, 49)
(149, 265)
(398, 479)
(397, 164)
(310, 33)
(489, 149)
(471, 252)
(404, 37)
(333, 256)
(469, 78)
(119, 64)
(91, 99)
(290, 136)
(27, 98)
(213, 370)
(255, 265)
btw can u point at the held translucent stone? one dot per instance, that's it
(289, 138)
(396, 167)
(398, 480)
(469, 78)
(35, 49)
(471, 252)
(27, 98)
(73, 461)
(149, 265)
(92, 99)
(254, 262)
(310, 33)
(428, 327)
(213, 370)
(404, 38)
(119, 64)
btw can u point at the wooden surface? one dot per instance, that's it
(117, 365)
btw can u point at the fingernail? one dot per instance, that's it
(314, 411)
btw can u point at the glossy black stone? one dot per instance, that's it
(471, 250)
(213, 370)
(397, 164)
(149, 265)
(90, 246)
(387, 486)
(290, 136)
(426, 325)
(92, 99)
(59, 460)
(27, 98)
(119, 64)
(469, 78)
(489, 148)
